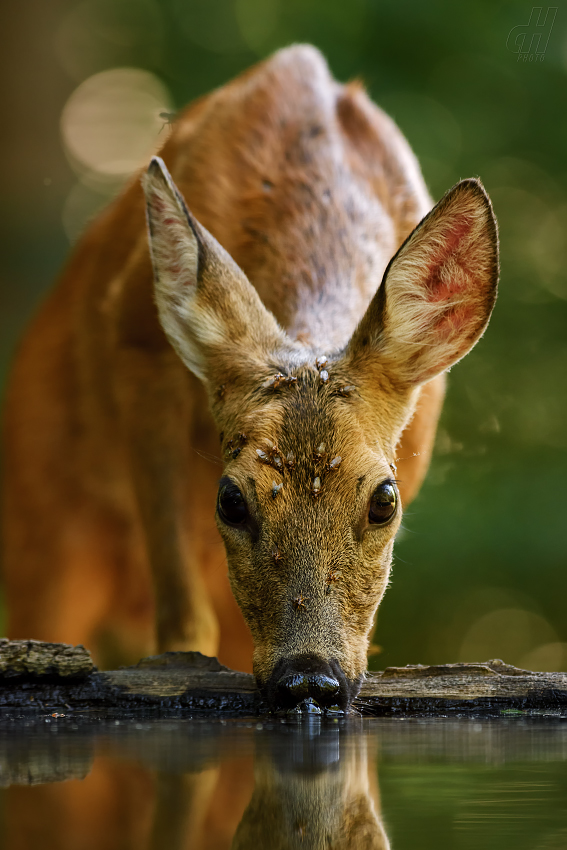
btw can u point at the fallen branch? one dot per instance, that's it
(57, 678)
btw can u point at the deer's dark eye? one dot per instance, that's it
(383, 504)
(231, 505)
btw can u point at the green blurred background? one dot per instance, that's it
(480, 565)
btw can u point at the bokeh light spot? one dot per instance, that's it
(507, 633)
(549, 658)
(81, 205)
(110, 125)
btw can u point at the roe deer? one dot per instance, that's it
(315, 338)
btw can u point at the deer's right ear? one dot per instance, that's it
(207, 307)
(437, 294)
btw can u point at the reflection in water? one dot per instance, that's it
(207, 785)
(312, 796)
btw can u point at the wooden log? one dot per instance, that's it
(34, 658)
(56, 679)
(489, 687)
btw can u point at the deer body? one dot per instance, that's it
(316, 381)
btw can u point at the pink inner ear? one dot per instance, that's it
(455, 321)
(168, 241)
(442, 289)
(156, 204)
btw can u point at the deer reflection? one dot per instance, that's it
(319, 791)
(309, 785)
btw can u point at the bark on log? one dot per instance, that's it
(56, 678)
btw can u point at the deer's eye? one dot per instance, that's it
(383, 504)
(231, 505)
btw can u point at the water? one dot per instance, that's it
(83, 783)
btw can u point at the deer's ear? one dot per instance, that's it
(438, 291)
(207, 307)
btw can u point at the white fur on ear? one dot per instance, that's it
(189, 322)
(206, 304)
(438, 291)
(173, 244)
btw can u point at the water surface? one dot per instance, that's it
(85, 783)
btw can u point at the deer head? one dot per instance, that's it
(308, 505)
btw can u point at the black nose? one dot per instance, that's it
(295, 687)
(309, 683)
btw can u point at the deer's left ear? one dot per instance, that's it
(209, 310)
(437, 294)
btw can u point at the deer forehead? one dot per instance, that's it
(311, 443)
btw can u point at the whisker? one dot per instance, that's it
(206, 456)
(401, 560)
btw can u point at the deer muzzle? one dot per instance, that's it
(307, 681)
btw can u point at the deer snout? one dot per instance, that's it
(307, 681)
(295, 687)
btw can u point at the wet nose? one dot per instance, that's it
(295, 687)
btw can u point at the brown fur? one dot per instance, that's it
(112, 462)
